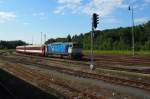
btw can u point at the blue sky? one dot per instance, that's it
(26, 19)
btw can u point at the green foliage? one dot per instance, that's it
(113, 39)
(68, 39)
(11, 44)
(117, 52)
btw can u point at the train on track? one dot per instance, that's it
(70, 49)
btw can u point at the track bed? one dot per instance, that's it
(70, 67)
(15, 88)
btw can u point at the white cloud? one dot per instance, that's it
(26, 23)
(69, 1)
(103, 7)
(147, 1)
(59, 9)
(142, 20)
(140, 4)
(111, 20)
(72, 5)
(6, 16)
(42, 14)
(39, 14)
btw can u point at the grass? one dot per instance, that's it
(125, 74)
(2, 50)
(117, 52)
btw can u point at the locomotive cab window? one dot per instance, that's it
(77, 46)
(70, 45)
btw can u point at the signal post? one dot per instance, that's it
(95, 22)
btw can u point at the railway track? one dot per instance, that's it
(115, 59)
(101, 61)
(101, 64)
(110, 79)
(130, 60)
(6, 92)
(30, 74)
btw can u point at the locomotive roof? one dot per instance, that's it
(64, 43)
(30, 46)
(34, 45)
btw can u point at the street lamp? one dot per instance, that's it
(132, 17)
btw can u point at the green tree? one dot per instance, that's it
(68, 39)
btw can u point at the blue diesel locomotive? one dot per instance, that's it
(73, 50)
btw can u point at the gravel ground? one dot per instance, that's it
(111, 91)
(21, 89)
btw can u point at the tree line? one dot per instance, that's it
(110, 39)
(113, 39)
(11, 44)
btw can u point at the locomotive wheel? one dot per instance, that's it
(61, 56)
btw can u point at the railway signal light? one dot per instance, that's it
(95, 20)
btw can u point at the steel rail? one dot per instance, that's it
(7, 90)
(100, 64)
(110, 79)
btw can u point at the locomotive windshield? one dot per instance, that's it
(77, 46)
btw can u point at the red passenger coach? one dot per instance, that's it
(32, 49)
(20, 49)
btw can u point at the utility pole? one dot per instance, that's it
(133, 34)
(32, 40)
(41, 38)
(44, 37)
(95, 20)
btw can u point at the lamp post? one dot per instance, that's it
(133, 34)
